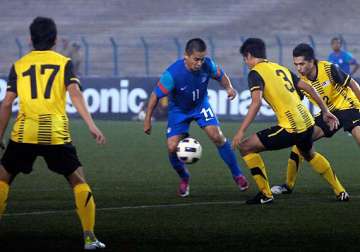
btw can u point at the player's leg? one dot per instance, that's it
(273, 138)
(227, 154)
(17, 158)
(321, 165)
(178, 166)
(351, 121)
(85, 208)
(5, 181)
(294, 162)
(63, 159)
(249, 149)
(178, 128)
(355, 132)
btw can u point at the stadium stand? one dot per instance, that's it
(146, 35)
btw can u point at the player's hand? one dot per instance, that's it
(97, 134)
(231, 92)
(331, 120)
(147, 126)
(237, 140)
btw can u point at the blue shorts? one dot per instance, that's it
(179, 120)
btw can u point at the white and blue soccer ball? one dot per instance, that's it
(189, 150)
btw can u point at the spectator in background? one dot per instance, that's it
(76, 57)
(73, 51)
(160, 112)
(65, 49)
(342, 58)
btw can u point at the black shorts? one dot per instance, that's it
(20, 157)
(276, 138)
(348, 118)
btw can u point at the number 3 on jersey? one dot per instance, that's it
(32, 73)
(288, 84)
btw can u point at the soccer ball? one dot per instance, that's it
(189, 150)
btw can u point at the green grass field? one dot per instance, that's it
(138, 210)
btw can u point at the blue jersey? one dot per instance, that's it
(186, 89)
(343, 59)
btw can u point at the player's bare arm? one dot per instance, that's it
(355, 88)
(226, 83)
(153, 101)
(329, 118)
(256, 99)
(79, 103)
(5, 113)
(355, 69)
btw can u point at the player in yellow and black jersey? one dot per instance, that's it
(40, 80)
(278, 86)
(341, 94)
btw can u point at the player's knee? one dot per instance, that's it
(218, 139)
(308, 156)
(244, 149)
(172, 147)
(77, 177)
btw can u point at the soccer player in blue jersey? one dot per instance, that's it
(342, 58)
(185, 83)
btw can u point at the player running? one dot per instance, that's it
(185, 82)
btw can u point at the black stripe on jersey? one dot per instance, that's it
(316, 84)
(339, 76)
(12, 81)
(255, 81)
(328, 73)
(44, 129)
(66, 129)
(343, 90)
(69, 75)
(304, 115)
(21, 129)
(291, 120)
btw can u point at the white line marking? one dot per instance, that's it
(208, 203)
(130, 207)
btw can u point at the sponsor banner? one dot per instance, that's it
(125, 99)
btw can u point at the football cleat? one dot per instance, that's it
(241, 182)
(184, 188)
(281, 189)
(260, 198)
(343, 196)
(93, 245)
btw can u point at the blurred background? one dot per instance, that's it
(129, 38)
(119, 49)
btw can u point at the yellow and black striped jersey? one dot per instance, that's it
(331, 83)
(40, 79)
(278, 86)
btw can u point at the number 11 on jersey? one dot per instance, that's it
(196, 94)
(208, 114)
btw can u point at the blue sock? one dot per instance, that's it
(229, 158)
(178, 166)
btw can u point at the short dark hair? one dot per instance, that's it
(336, 39)
(43, 33)
(195, 44)
(254, 46)
(304, 50)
